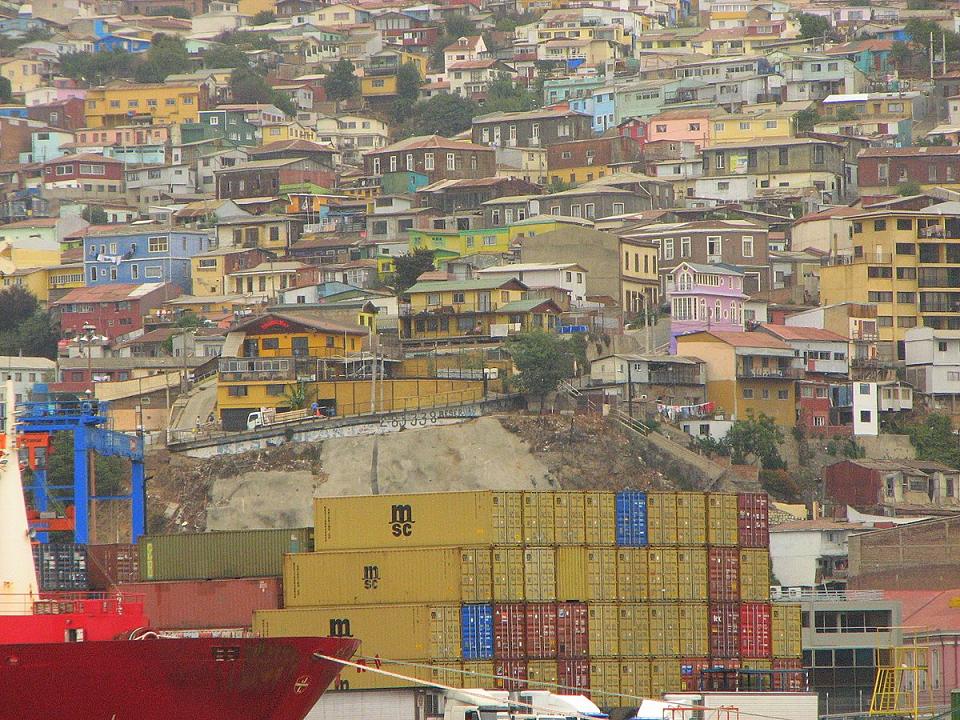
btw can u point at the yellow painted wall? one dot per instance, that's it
(577, 175)
(462, 243)
(419, 301)
(286, 131)
(744, 128)
(378, 85)
(105, 106)
(319, 344)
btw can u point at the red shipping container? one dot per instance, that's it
(574, 677)
(573, 639)
(511, 674)
(755, 630)
(690, 669)
(541, 631)
(789, 682)
(509, 631)
(204, 604)
(754, 520)
(724, 576)
(111, 564)
(725, 630)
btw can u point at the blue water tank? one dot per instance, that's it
(631, 518)
(476, 631)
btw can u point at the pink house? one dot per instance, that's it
(692, 125)
(704, 297)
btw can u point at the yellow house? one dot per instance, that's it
(639, 276)
(539, 224)
(904, 263)
(377, 86)
(276, 132)
(267, 277)
(748, 373)
(216, 307)
(452, 243)
(457, 310)
(36, 280)
(337, 14)
(264, 357)
(744, 127)
(576, 30)
(119, 101)
(274, 233)
(23, 73)
(590, 52)
(61, 279)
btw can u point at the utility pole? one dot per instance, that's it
(373, 372)
(630, 386)
(931, 57)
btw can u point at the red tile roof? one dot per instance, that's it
(790, 332)
(745, 339)
(472, 42)
(114, 292)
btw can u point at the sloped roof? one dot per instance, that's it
(427, 142)
(793, 332)
(311, 321)
(745, 339)
(113, 292)
(489, 283)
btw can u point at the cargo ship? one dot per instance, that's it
(86, 656)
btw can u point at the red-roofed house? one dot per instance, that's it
(114, 309)
(822, 351)
(748, 374)
(86, 171)
(471, 47)
(471, 78)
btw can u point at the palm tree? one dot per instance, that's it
(298, 395)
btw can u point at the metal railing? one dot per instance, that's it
(771, 373)
(802, 594)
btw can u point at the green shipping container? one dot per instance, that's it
(220, 555)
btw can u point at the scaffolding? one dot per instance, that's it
(902, 687)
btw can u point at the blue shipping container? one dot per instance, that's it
(476, 631)
(631, 518)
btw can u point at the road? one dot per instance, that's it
(201, 401)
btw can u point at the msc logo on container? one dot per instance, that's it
(401, 520)
(371, 577)
(340, 627)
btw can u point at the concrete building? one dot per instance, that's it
(569, 276)
(933, 367)
(811, 554)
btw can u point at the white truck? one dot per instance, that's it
(270, 416)
(526, 705)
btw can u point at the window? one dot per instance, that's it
(428, 161)
(906, 298)
(906, 248)
(879, 225)
(865, 416)
(618, 208)
(393, 163)
(884, 321)
(153, 271)
(941, 346)
(748, 393)
(875, 296)
(880, 272)
(720, 163)
(747, 246)
(668, 249)
(906, 273)
(93, 274)
(237, 390)
(818, 154)
(459, 298)
(904, 224)
(783, 394)
(451, 161)
(714, 245)
(410, 162)
(784, 156)
(376, 166)
(684, 247)
(270, 343)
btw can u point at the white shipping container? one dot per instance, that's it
(399, 704)
(796, 706)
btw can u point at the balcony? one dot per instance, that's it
(267, 369)
(407, 310)
(776, 373)
(874, 258)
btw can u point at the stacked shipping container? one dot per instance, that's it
(615, 594)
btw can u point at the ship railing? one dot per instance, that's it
(70, 603)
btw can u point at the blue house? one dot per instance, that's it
(13, 111)
(869, 56)
(116, 41)
(600, 107)
(142, 255)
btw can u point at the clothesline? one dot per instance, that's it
(684, 411)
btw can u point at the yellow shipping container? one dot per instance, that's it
(662, 574)
(570, 518)
(539, 574)
(756, 664)
(691, 518)
(413, 520)
(634, 627)
(754, 575)
(600, 518)
(632, 582)
(664, 630)
(539, 520)
(542, 674)
(605, 682)
(356, 679)
(722, 519)
(368, 577)
(603, 629)
(507, 518)
(420, 632)
(586, 573)
(477, 674)
(634, 681)
(694, 629)
(662, 518)
(692, 572)
(785, 633)
(664, 676)
(508, 577)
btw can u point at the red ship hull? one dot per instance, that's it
(163, 679)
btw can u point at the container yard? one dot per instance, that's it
(613, 595)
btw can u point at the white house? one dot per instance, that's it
(933, 364)
(569, 276)
(25, 372)
(822, 351)
(810, 553)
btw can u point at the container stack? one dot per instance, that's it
(626, 594)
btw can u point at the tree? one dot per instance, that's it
(933, 141)
(16, 305)
(757, 437)
(25, 329)
(95, 215)
(455, 27)
(298, 395)
(806, 119)
(225, 56)
(167, 56)
(934, 440)
(341, 83)
(441, 115)
(847, 114)
(407, 268)
(919, 32)
(264, 17)
(504, 96)
(408, 90)
(813, 26)
(248, 86)
(901, 55)
(98, 68)
(542, 359)
(909, 189)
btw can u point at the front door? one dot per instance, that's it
(483, 302)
